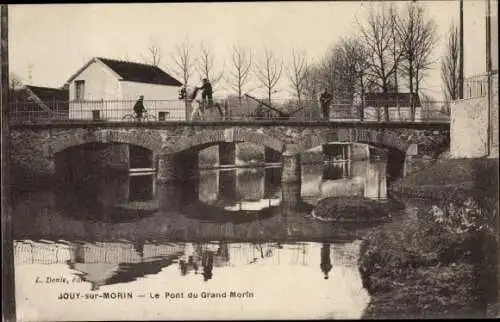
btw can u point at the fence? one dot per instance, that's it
(475, 86)
(248, 109)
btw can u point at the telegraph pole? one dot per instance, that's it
(488, 36)
(8, 290)
(488, 69)
(461, 65)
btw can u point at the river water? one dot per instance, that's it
(235, 243)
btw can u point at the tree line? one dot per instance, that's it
(391, 48)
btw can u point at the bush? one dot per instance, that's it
(351, 209)
(437, 252)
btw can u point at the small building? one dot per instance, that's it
(37, 103)
(107, 89)
(398, 103)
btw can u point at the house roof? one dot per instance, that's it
(46, 98)
(378, 99)
(48, 94)
(134, 72)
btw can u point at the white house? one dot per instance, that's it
(107, 89)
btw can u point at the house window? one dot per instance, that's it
(162, 116)
(96, 115)
(79, 90)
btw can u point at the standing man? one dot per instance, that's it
(324, 100)
(139, 107)
(207, 93)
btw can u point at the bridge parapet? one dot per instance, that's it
(255, 110)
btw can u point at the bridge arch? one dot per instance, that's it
(202, 140)
(377, 138)
(147, 140)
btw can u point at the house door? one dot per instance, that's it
(96, 115)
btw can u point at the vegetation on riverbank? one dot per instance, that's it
(440, 258)
(351, 209)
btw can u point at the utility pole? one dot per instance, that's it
(488, 70)
(461, 65)
(8, 290)
(488, 36)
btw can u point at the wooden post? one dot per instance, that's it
(8, 287)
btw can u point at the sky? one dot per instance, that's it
(55, 40)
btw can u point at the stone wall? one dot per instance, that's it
(474, 132)
(469, 128)
(35, 147)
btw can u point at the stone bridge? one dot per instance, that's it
(174, 147)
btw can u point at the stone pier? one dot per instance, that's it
(290, 196)
(291, 169)
(227, 153)
(117, 156)
(271, 156)
(180, 167)
(227, 187)
(272, 181)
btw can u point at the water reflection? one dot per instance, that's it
(108, 263)
(283, 272)
(243, 191)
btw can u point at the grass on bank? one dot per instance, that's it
(439, 259)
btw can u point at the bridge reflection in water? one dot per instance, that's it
(233, 205)
(231, 229)
(220, 192)
(108, 263)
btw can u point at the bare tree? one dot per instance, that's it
(450, 66)
(126, 57)
(312, 82)
(417, 40)
(183, 61)
(269, 72)
(396, 50)
(241, 65)
(15, 82)
(425, 49)
(206, 66)
(351, 67)
(377, 36)
(298, 73)
(327, 71)
(154, 56)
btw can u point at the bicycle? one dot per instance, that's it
(145, 117)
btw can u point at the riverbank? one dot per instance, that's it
(439, 258)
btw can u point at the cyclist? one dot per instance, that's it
(139, 107)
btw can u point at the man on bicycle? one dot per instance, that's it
(207, 93)
(139, 107)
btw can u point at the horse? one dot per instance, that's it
(192, 96)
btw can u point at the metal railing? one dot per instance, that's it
(226, 111)
(475, 86)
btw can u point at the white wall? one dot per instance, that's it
(114, 98)
(157, 98)
(469, 128)
(371, 113)
(100, 84)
